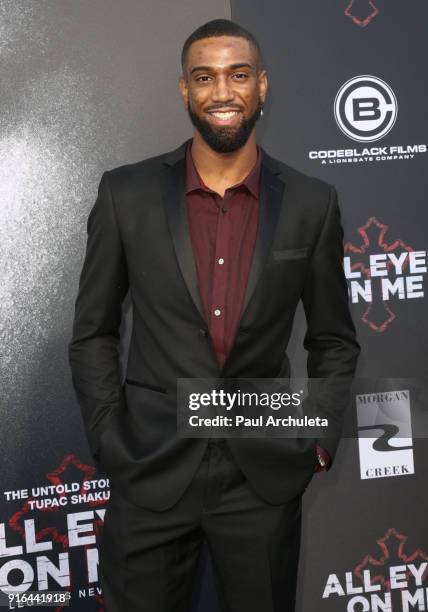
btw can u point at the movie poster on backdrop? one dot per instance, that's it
(48, 538)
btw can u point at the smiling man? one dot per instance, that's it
(217, 243)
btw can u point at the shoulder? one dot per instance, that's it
(301, 185)
(128, 173)
(131, 178)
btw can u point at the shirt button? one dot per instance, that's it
(224, 209)
(221, 260)
(217, 312)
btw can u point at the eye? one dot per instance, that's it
(202, 79)
(241, 76)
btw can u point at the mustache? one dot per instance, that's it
(222, 108)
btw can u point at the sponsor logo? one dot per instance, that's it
(365, 108)
(380, 271)
(385, 434)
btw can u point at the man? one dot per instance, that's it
(217, 243)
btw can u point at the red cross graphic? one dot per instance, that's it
(386, 316)
(392, 546)
(370, 11)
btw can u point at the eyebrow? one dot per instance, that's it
(230, 66)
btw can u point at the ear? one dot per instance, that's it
(184, 90)
(263, 85)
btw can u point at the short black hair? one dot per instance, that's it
(221, 27)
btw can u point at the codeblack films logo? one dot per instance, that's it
(385, 434)
(365, 109)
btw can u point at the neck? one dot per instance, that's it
(225, 169)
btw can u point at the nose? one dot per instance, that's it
(222, 92)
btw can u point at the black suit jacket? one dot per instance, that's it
(138, 239)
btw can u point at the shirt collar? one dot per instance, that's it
(194, 181)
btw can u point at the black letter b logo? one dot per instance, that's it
(366, 109)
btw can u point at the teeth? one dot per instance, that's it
(225, 115)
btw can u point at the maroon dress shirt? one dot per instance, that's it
(223, 232)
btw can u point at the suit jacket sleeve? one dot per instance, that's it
(94, 347)
(330, 337)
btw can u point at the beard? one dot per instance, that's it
(225, 139)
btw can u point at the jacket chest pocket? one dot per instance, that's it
(279, 255)
(286, 268)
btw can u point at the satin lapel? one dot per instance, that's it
(172, 185)
(271, 193)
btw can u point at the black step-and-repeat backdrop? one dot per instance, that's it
(348, 104)
(88, 86)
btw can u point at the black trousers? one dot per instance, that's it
(148, 559)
